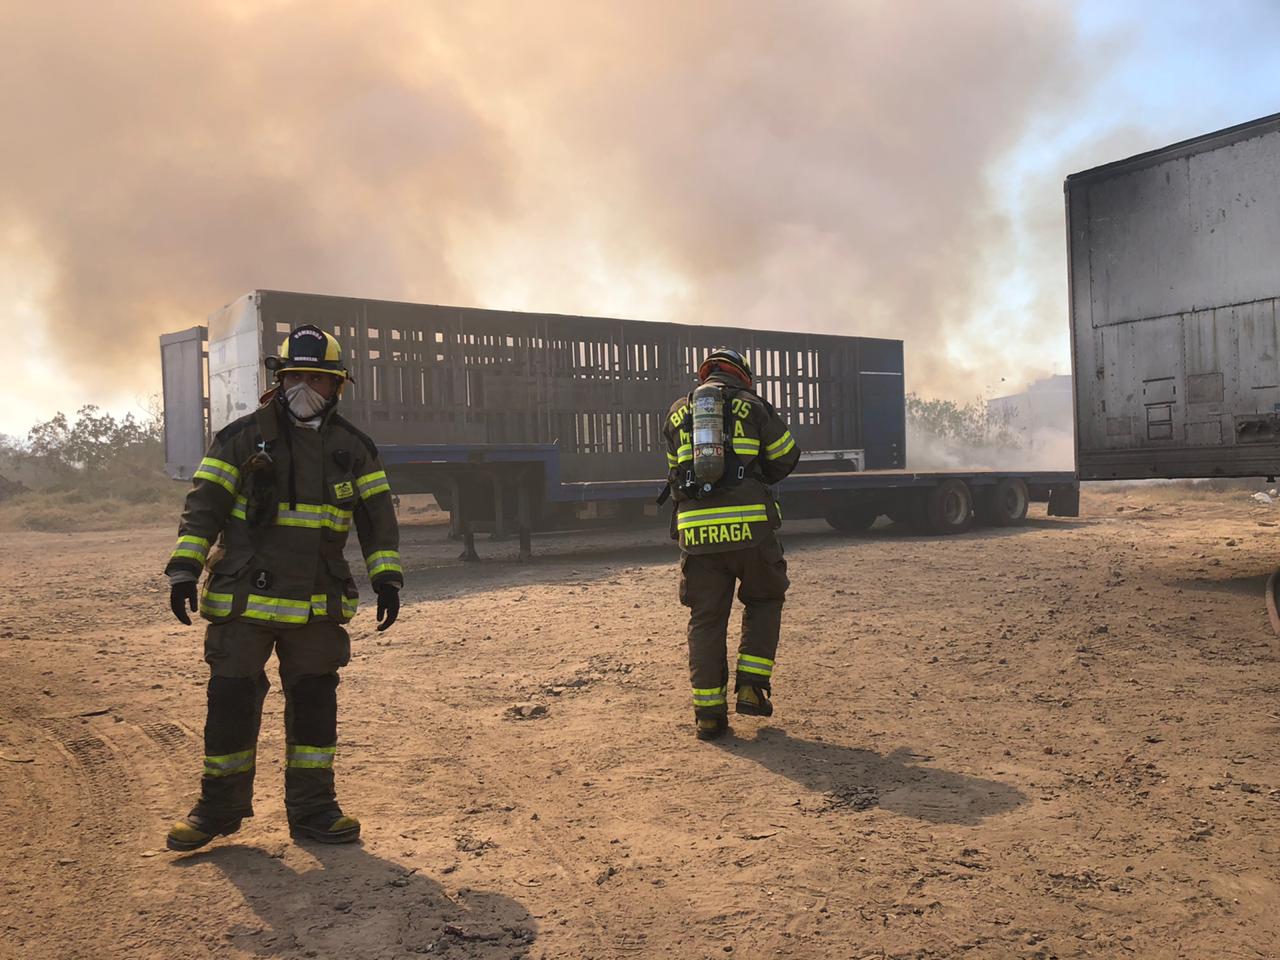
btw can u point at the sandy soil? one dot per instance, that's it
(1054, 741)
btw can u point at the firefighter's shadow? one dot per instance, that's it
(851, 778)
(342, 901)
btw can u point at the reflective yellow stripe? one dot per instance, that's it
(383, 561)
(781, 441)
(216, 604)
(277, 609)
(313, 516)
(751, 513)
(780, 447)
(671, 460)
(229, 763)
(372, 484)
(707, 511)
(192, 548)
(684, 453)
(302, 756)
(709, 696)
(213, 463)
(758, 665)
(320, 605)
(219, 472)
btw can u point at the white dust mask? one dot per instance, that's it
(305, 403)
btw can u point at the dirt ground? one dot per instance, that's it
(1051, 741)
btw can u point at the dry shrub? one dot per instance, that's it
(1142, 492)
(113, 503)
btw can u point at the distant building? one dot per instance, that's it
(1038, 416)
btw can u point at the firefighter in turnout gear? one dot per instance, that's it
(725, 447)
(267, 517)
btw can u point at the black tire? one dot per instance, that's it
(852, 517)
(1005, 504)
(949, 507)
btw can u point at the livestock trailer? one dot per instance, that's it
(520, 421)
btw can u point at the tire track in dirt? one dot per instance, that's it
(81, 791)
(100, 782)
(181, 746)
(91, 778)
(28, 791)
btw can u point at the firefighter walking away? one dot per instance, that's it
(267, 517)
(726, 446)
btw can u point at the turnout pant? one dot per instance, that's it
(707, 581)
(237, 653)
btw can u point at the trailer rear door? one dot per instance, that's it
(882, 404)
(182, 363)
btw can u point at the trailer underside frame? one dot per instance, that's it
(515, 489)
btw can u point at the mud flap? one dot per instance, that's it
(1065, 501)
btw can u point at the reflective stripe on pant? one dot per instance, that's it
(707, 582)
(230, 740)
(311, 728)
(309, 656)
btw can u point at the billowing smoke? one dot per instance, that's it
(820, 166)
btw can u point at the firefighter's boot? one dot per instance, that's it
(194, 830)
(753, 701)
(327, 826)
(712, 728)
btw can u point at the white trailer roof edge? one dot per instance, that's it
(1183, 148)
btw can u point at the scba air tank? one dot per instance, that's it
(708, 433)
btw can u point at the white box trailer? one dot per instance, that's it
(1174, 276)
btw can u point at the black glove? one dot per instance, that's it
(181, 596)
(388, 605)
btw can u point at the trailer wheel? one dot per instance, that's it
(949, 507)
(852, 517)
(1005, 504)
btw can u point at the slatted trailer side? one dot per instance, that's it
(598, 387)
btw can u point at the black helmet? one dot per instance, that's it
(724, 358)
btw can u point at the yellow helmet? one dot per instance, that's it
(308, 348)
